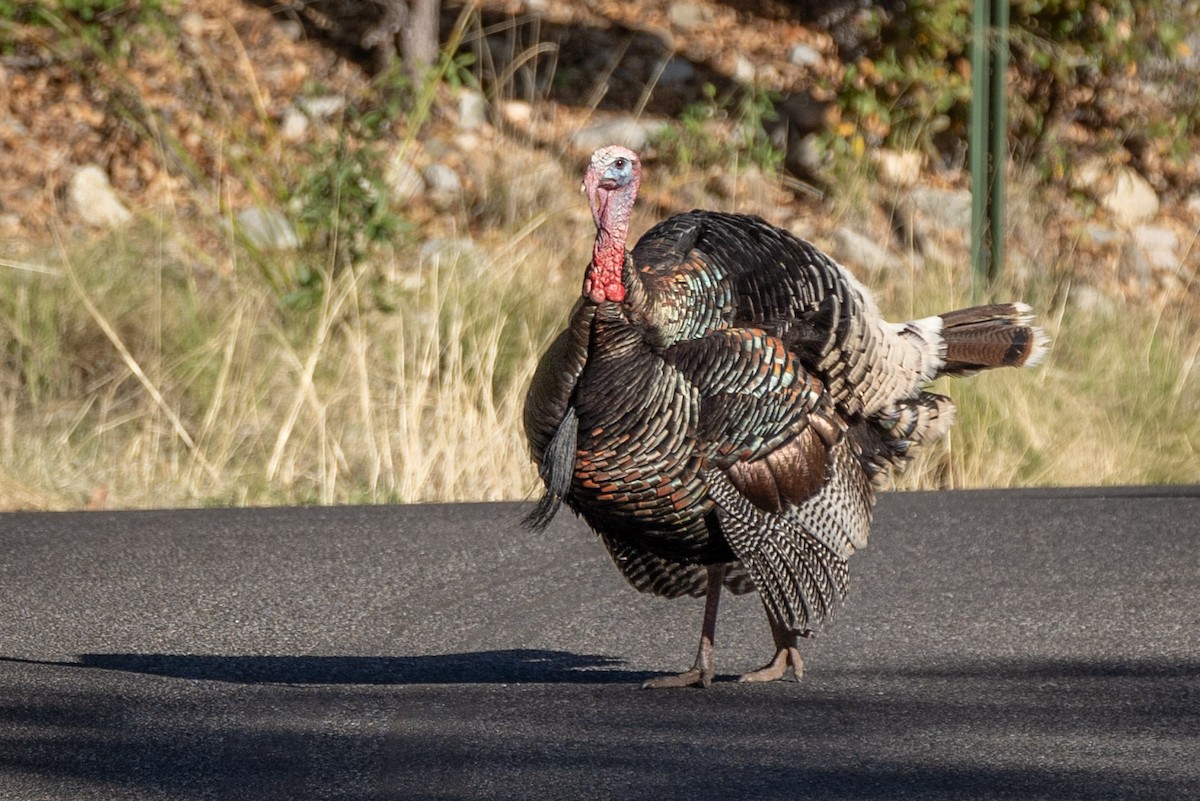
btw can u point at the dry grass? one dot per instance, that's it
(131, 379)
(158, 393)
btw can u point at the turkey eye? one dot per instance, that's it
(619, 164)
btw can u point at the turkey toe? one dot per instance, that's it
(787, 660)
(696, 677)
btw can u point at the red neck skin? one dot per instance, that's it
(611, 209)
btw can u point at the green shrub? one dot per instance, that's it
(101, 23)
(912, 85)
(716, 130)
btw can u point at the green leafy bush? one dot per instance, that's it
(911, 86)
(102, 23)
(718, 129)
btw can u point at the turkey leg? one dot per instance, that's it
(702, 672)
(786, 656)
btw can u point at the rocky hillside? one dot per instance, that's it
(215, 109)
(236, 267)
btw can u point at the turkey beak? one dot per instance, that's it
(591, 185)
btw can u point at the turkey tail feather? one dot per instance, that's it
(557, 470)
(996, 335)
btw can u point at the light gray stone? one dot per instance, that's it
(860, 251)
(803, 55)
(677, 72)
(1089, 300)
(1134, 266)
(321, 108)
(472, 110)
(1101, 235)
(1132, 199)
(686, 15)
(1088, 176)
(1159, 246)
(804, 152)
(899, 167)
(291, 28)
(516, 112)
(744, 70)
(1192, 204)
(945, 208)
(443, 186)
(1118, 188)
(627, 131)
(91, 197)
(267, 229)
(294, 125)
(440, 178)
(403, 180)
(457, 252)
(193, 25)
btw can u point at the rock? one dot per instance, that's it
(267, 229)
(516, 112)
(1159, 247)
(1132, 199)
(472, 110)
(1089, 300)
(443, 185)
(1134, 268)
(322, 108)
(804, 154)
(1088, 176)
(1119, 189)
(677, 72)
(467, 143)
(456, 252)
(294, 125)
(861, 251)
(686, 15)
(402, 179)
(627, 131)
(193, 25)
(803, 55)
(1101, 235)
(944, 208)
(292, 29)
(92, 199)
(743, 69)
(899, 168)
(1192, 204)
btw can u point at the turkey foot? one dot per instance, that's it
(701, 674)
(778, 667)
(786, 657)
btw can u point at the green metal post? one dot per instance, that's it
(978, 147)
(998, 135)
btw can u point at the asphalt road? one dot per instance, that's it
(996, 645)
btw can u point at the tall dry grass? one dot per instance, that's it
(132, 379)
(125, 380)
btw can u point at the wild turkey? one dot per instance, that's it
(722, 400)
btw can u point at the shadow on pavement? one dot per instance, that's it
(1009, 730)
(512, 666)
